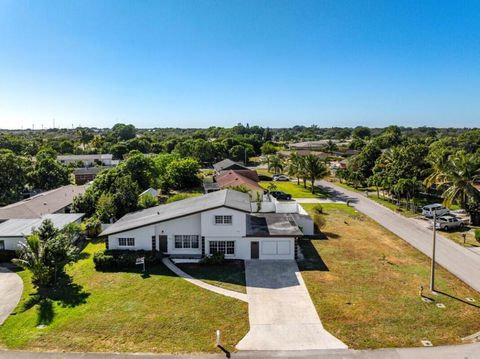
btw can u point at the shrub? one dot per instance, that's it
(6, 256)
(92, 227)
(213, 259)
(180, 196)
(111, 260)
(477, 235)
(319, 221)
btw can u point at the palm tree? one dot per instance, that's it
(31, 256)
(315, 169)
(294, 166)
(274, 162)
(457, 178)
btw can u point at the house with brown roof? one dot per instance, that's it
(232, 179)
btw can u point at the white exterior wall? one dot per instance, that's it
(11, 243)
(142, 235)
(285, 206)
(236, 229)
(184, 225)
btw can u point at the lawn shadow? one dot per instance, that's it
(312, 261)
(67, 293)
(231, 271)
(150, 270)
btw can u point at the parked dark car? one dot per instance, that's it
(281, 196)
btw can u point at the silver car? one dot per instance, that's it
(449, 222)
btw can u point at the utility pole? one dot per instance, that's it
(432, 277)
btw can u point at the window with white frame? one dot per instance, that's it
(126, 242)
(222, 219)
(225, 247)
(2, 245)
(186, 241)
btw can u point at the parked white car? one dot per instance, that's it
(281, 178)
(439, 210)
(449, 222)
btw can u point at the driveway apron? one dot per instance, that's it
(11, 288)
(281, 313)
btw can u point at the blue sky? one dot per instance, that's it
(272, 63)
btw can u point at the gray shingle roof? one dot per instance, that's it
(225, 198)
(43, 203)
(272, 225)
(227, 164)
(21, 227)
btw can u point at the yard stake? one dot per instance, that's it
(432, 278)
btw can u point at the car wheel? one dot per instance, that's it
(462, 225)
(445, 228)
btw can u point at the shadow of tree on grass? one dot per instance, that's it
(65, 293)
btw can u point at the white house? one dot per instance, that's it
(14, 231)
(221, 221)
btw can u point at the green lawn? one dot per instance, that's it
(124, 312)
(457, 236)
(364, 282)
(230, 275)
(297, 191)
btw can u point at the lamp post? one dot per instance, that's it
(432, 276)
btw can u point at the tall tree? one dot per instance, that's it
(315, 169)
(458, 177)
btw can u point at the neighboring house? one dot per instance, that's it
(337, 165)
(228, 164)
(228, 179)
(14, 231)
(313, 145)
(222, 221)
(85, 175)
(318, 154)
(89, 160)
(55, 201)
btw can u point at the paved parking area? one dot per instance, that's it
(11, 288)
(281, 313)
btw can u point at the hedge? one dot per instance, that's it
(111, 260)
(7, 256)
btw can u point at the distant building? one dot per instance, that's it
(85, 175)
(229, 179)
(313, 145)
(54, 201)
(228, 164)
(319, 154)
(89, 160)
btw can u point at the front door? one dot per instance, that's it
(163, 243)
(254, 250)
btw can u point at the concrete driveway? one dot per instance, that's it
(460, 261)
(280, 310)
(11, 288)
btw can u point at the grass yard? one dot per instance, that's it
(124, 312)
(297, 191)
(457, 236)
(365, 282)
(230, 275)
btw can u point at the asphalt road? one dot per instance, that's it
(461, 262)
(466, 351)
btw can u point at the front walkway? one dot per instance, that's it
(11, 288)
(281, 313)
